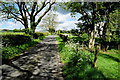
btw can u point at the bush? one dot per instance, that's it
(63, 37)
(41, 37)
(19, 30)
(37, 34)
(11, 40)
(78, 62)
(12, 51)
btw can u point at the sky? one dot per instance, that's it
(64, 17)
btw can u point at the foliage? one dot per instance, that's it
(49, 22)
(12, 33)
(75, 32)
(46, 33)
(112, 41)
(80, 39)
(26, 12)
(109, 65)
(51, 30)
(11, 40)
(41, 37)
(12, 51)
(19, 30)
(91, 13)
(84, 37)
(77, 62)
(64, 37)
(37, 34)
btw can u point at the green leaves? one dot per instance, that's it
(12, 51)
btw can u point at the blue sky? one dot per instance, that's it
(64, 17)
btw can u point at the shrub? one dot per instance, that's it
(63, 37)
(11, 40)
(37, 34)
(19, 30)
(12, 51)
(41, 37)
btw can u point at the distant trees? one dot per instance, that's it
(49, 22)
(26, 12)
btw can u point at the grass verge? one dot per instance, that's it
(13, 51)
(107, 64)
(77, 64)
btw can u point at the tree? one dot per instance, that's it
(26, 12)
(88, 18)
(49, 22)
(105, 11)
(91, 14)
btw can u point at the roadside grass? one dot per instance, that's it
(77, 65)
(10, 52)
(107, 64)
(111, 51)
(8, 33)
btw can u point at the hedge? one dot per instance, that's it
(36, 35)
(12, 39)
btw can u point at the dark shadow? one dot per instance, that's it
(28, 75)
(82, 72)
(48, 48)
(110, 57)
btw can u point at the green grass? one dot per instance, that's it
(13, 51)
(77, 64)
(109, 65)
(8, 33)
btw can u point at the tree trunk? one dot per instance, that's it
(92, 33)
(32, 24)
(33, 27)
(95, 57)
(118, 46)
(92, 39)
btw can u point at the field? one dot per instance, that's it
(8, 33)
(107, 64)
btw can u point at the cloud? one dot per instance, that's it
(10, 25)
(67, 25)
(67, 22)
(64, 17)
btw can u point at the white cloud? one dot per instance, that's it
(67, 25)
(67, 22)
(63, 17)
(10, 25)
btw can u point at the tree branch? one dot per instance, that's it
(20, 8)
(44, 13)
(33, 8)
(27, 10)
(11, 12)
(41, 7)
(24, 10)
